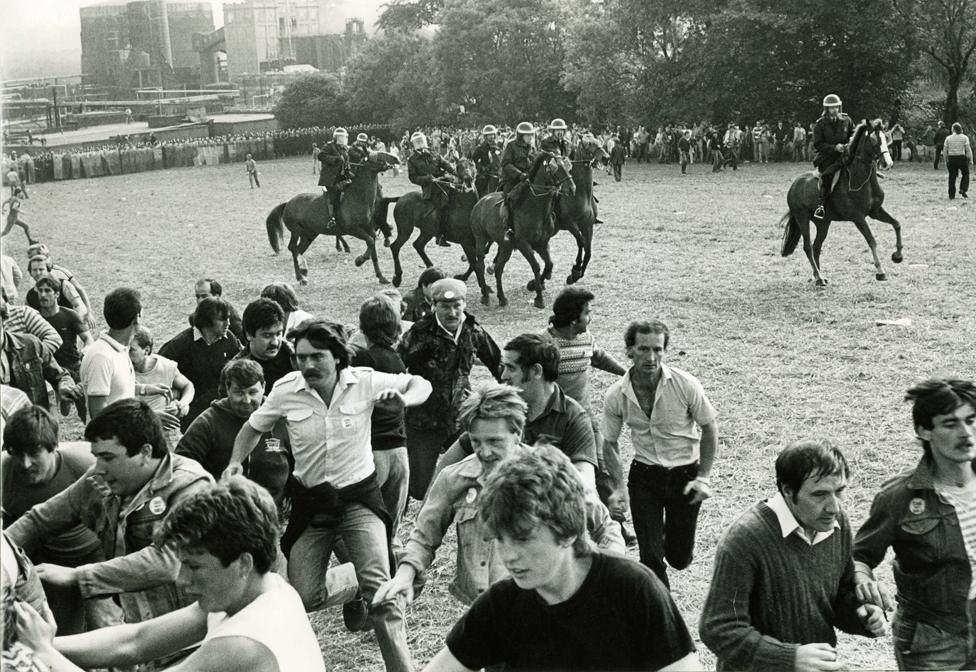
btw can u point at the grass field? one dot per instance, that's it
(779, 358)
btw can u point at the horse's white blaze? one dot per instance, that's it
(884, 150)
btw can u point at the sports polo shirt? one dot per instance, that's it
(106, 370)
(669, 437)
(329, 442)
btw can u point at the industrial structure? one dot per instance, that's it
(166, 44)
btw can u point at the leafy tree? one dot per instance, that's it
(311, 100)
(503, 59)
(946, 32)
(370, 86)
(401, 16)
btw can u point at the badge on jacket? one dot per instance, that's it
(471, 496)
(157, 505)
(917, 506)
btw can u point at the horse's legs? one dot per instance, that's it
(862, 226)
(295, 256)
(823, 228)
(420, 244)
(504, 252)
(404, 230)
(543, 251)
(301, 266)
(370, 254)
(341, 245)
(804, 224)
(577, 272)
(529, 255)
(882, 216)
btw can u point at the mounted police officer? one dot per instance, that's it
(359, 150)
(555, 142)
(831, 134)
(336, 173)
(423, 168)
(517, 160)
(487, 159)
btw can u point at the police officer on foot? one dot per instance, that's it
(831, 134)
(423, 167)
(516, 162)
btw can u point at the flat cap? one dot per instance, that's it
(448, 289)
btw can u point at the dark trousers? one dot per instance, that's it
(938, 156)
(664, 520)
(424, 446)
(956, 165)
(617, 171)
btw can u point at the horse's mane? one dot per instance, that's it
(535, 166)
(859, 131)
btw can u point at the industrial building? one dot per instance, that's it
(144, 43)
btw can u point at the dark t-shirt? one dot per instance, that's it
(273, 368)
(68, 325)
(387, 430)
(621, 618)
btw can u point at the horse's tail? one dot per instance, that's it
(791, 234)
(382, 210)
(275, 227)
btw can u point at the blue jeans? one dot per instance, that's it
(664, 519)
(364, 536)
(921, 646)
(393, 477)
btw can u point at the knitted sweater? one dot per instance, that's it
(769, 594)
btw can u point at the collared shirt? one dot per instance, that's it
(453, 497)
(957, 144)
(106, 370)
(329, 442)
(788, 523)
(669, 436)
(456, 334)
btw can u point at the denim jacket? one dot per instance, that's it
(453, 497)
(141, 573)
(931, 568)
(30, 365)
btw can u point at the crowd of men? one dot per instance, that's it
(156, 541)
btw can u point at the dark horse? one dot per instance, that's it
(413, 212)
(306, 216)
(533, 225)
(577, 213)
(857, 195)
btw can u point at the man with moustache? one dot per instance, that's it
(675, 436)
(441, 346)
(327, 407)
(928, 517)
(264, 342)
(134, 483)
(784, 573)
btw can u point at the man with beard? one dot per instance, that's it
(264, 340)
(327, 406)
(210, 438)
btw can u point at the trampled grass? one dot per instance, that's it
(779, 358)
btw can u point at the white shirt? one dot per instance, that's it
(106, 370)
(277, 620)
(329, 443)
(788, 523)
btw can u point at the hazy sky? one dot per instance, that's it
(35, 33)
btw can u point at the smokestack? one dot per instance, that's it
(159, 22)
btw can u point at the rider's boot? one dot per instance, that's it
(820, 213)
(509, 223)
(334, 196)
(442, 228)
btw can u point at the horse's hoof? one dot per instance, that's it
(502, 301)
(530, 285)
(880, 276)
(302, 282)
(896, 257)
(539, 302)
(273, 254)
(397, 280)
(486, 300)
(360, 261)
(572, 278)
(821, 282)
(386, 242)
(383, 281)
(490, 269)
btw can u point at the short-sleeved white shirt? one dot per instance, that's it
(329, 443)
(106, 370)
(669, 437)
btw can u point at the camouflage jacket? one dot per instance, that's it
(429, 351)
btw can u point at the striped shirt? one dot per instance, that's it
(26, 320)
(964, 502)
(957, 144)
